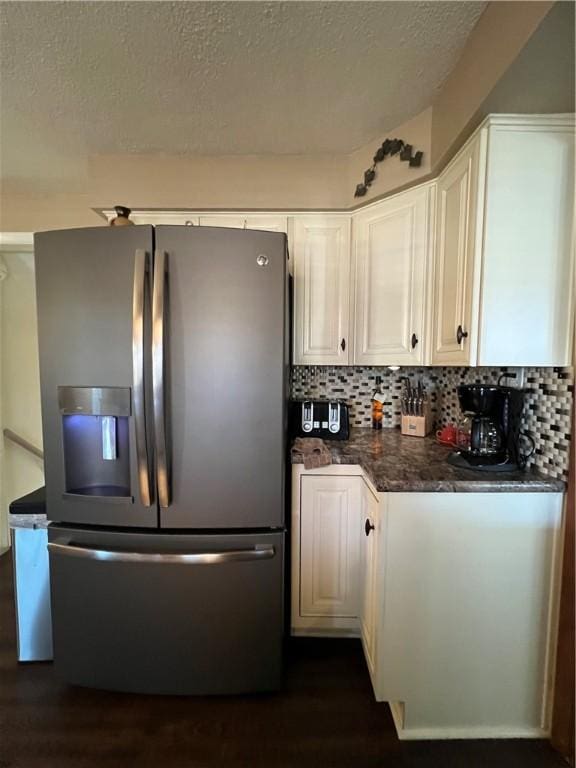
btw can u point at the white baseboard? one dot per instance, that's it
(460, 731)
(397, 710)
(306, 632)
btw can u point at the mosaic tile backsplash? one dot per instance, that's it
(547, 408)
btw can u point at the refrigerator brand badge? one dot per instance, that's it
(262, 260)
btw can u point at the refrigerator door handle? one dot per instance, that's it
(158, 394)
(176, 558)
(141, 272)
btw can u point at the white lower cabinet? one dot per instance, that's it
(468, 612)
(330, 539)
(371, 564)
(326, 540)
(454, 597)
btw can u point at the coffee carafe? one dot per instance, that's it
(489, 434)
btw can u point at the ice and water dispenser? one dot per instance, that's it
(96, 436)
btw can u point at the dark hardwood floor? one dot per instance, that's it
(326, 717)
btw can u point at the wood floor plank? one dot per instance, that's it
(325, 717)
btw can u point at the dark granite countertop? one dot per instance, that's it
(32, 504)
(395, 462)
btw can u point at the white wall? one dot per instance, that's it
(21, 472)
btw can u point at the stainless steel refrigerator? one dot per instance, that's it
(164, 372)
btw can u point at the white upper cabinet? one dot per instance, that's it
(224, 220)
(454, 322)
(321, 251)
(526, 292)
(391, 245)
(474, 268)
(245, 221)
(503, 266)
(154, 218)
(268, 223)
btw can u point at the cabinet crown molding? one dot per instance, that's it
(559, 121)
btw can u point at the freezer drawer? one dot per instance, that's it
(165, 613)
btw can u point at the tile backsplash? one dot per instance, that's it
(547, 408)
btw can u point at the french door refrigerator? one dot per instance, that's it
(164, 362)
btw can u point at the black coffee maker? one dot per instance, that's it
(489, 436)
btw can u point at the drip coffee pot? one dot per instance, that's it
(489, 434)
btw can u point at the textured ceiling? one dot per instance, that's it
(215, 77)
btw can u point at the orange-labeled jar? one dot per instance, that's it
(377, 405)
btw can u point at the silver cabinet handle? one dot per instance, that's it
(158, 378)
(182, 558)
(140, 278)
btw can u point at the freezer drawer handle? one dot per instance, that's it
(182, 558)
(140, 278)
(158, 394)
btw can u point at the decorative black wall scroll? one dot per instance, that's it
(389, 147)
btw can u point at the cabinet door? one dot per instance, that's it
(454, 324)
(237, 221)
(321, 247)
(391, 249)
(268, 223)
(528, 249)
(153, 218)
(243, 221)
(330, 544)
(370, 583)
(468, 631)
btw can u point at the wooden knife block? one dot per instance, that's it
(417, 426)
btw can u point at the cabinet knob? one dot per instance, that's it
(343, 345)
(414, 341)
(368, 527)
(461, 334)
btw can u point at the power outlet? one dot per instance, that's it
(514, 377)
